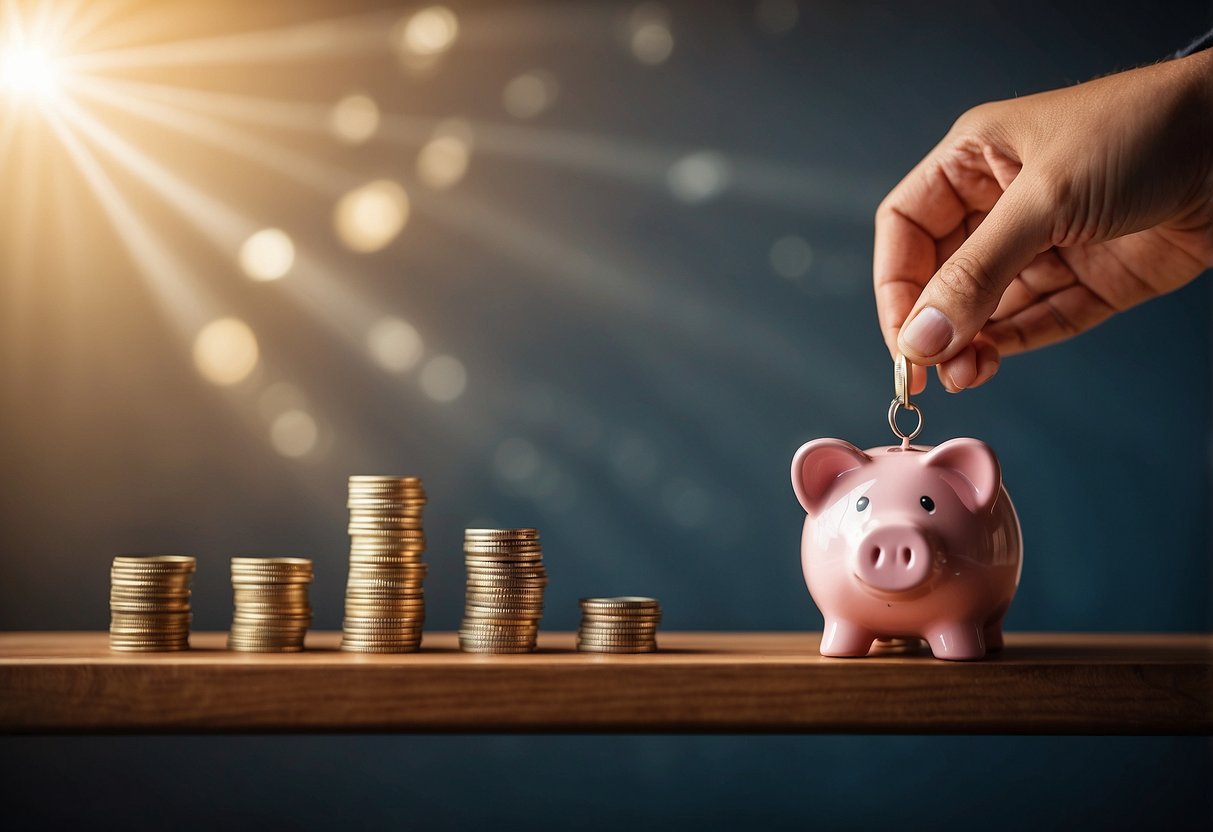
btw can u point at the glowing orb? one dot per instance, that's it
(529, 94)
(429, 31)
(225, 351)
(368, 218)
(444, 159)
(444, 378)
(267, 255)
(29, 70)
(355, 119)
(395, 345)
(294, 434)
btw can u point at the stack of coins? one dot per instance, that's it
(626, 624)
(504, 590)
(150, 603)
(272, 610)
(384, 599)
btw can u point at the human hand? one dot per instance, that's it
(1039, 217)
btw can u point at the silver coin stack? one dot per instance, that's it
(272, 610)
(384, 598)
(150, 603)
(627, 624)
(505, 586)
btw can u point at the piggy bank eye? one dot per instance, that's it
(861, 504)
(927, 503)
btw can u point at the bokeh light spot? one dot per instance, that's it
(777, 17)
(429, 31)
(698, 177)
(354, 119)
(395, 345)
(687, 503)
(650, 38)
(225, 351)
(294, 433)
(516, 460)
(530, 94)
(368, 218)
(444, 159)
(443, 378)
(267, 255)
(791, 256)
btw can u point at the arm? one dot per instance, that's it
(1039, 217)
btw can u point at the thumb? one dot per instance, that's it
(962, 295)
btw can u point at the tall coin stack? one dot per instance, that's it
(504, 590)
(626, 624)
(272, 610)
(150, 603)
(384, 598)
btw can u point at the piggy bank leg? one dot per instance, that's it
(842, 639)
(957, 642)
(993, 635)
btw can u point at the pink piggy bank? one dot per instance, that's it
(908, 542)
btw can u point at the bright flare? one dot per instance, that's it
(267, 255)
(429, 31)
(29, 70)
(368, 218)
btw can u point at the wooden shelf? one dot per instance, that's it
(700, 682)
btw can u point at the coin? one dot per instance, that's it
(901, 380)
(272, 611)
(150, 602)
(505, 584)
(623, 624)
(599, 648)
(384, 599)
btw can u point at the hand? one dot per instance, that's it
(1039, 217)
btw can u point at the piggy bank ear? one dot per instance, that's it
(816, 467)
(970, 467)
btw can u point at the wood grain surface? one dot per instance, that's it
(70, 682)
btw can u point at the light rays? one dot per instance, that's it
(267, 155)
(364, 162)
(167, 275)
(332, 39)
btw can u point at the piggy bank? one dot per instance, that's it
(908, 542)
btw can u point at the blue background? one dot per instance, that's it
(638, 379)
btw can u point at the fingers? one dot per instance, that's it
(971, 367)
(1053, 318)
(922, 209)
(958, 301)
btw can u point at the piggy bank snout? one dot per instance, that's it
(894, 558)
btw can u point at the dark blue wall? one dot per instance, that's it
(638, 378)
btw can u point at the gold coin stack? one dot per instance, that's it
(627, 624)
(150, 603)
(384, 598)
(504, 590)
(272, 610)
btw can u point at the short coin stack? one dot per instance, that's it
(150, 603)
(504, 590)
(272, 610)
(384, 599)
(627, 624)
